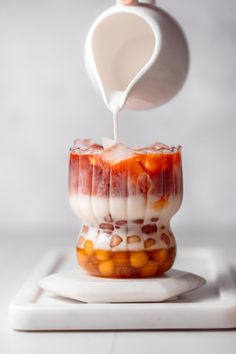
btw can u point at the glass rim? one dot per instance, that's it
(156, 148)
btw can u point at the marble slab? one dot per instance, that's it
(210, 306)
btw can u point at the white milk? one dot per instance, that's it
(116, 102)
(120, 56)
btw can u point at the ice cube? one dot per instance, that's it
(117, 153)
(82, 144)
(107, 142)
(160, 146)
(156, 148)
(153, 148)
(85, 145)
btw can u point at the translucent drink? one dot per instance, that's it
(125, 198)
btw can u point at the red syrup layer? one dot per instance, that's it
(156, 170)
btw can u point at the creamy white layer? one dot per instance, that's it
(94, 210)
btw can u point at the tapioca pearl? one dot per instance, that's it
(80, 241)
(120, 222)
(154, 219)
(123, 270)
(106, 268)
(138, 221)
(102, 255)
(166, 265)
(159, 255)
(85, 229)
(165, 238)
(108, 218)
(121, 258)
(88, 248)
(138, 259)
(133, 239)
(149, 270)
(106, 226)
(91, 269)
(172, 253)
(163, 227)
(149, 243)
(149, 229)
(82, 257)
(115, 241)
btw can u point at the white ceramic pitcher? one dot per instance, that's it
(139, 51)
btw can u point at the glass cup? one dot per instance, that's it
(125, 198)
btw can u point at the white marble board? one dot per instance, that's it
(212, 306)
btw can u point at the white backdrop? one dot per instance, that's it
(46, 100)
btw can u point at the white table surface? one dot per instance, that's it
(19, 253)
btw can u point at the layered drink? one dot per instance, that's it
(125, 198)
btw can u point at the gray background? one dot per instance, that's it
(47, 100)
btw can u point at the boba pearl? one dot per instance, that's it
(106, 268)
(82, 257)
(159, 255)
(149, 270)
(91, 269)
(102, 255)
(88, 248)
(138, 259)
(121, 258)
(167, 264)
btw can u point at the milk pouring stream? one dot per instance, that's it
(137, 57)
